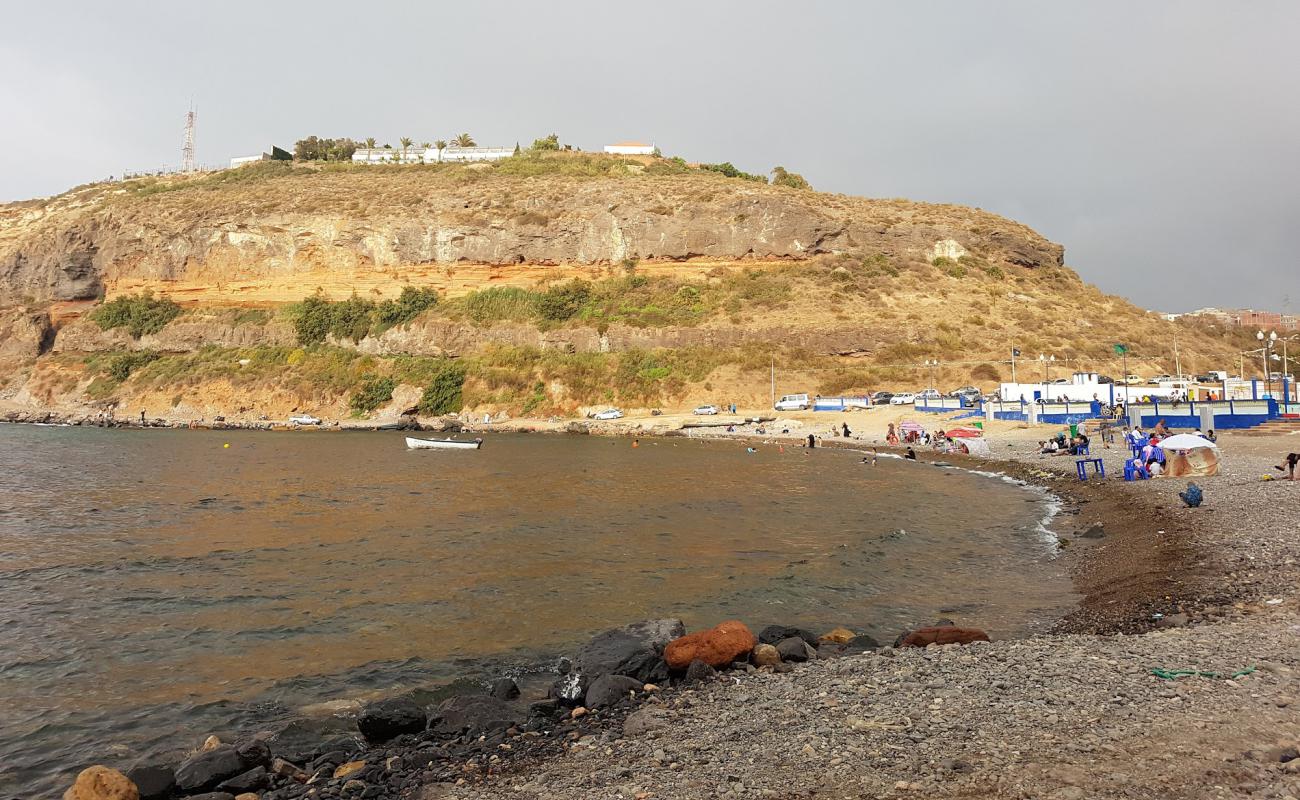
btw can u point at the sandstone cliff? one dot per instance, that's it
(284, 232)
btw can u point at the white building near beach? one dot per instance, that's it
(428, 155)
(630, 149)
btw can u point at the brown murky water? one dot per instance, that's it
(156, 586)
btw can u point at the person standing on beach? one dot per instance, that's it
(845, 426)
(812, 441)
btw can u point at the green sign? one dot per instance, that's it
(1121, 349)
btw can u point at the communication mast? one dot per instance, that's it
(187, 151)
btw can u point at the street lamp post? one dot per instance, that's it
(931, 363)
(1268, 351)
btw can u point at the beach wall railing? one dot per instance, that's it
(1059, 413)
(840, 403)
(1216, 415)
(941, 405)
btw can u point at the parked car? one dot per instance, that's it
(902, 399)
(609, 413)
(1208, 377)
(929, 394)
(964, 391)
(1132, 380)
(304, 419)
(793, 402)
(705, 410)
(881, 398)
(1105, 379)
(1159, 379)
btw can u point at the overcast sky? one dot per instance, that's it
(1158, 141)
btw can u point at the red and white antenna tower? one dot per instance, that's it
(187, 151)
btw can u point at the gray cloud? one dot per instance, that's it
(1156, 141)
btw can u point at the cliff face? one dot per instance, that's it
(282, 236)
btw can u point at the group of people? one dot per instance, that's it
(1066, 443)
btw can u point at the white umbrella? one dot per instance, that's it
(1185, 441)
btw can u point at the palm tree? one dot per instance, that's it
(465, 140)
(426, 145)
(370, 143)
(406, 142)
(440, 145)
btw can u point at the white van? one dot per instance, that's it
(792, 402)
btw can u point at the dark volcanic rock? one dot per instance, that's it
(569, 690)
(254, 780)
(212, 796)
(858, 644)
(634, 650)
(775, 633)
(472, 715)
(504, 689)
(204, 771)
(699, 671)
(609, 689)
(795, 649)
(385, 719)
(154, 782)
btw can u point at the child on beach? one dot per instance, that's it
(1288, 465)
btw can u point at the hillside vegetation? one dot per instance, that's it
(536, 285)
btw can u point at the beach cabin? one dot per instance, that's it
(630, 149)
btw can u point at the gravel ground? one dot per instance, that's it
(1065, 716)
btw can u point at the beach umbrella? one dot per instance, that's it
(911, 426)
(965, 433)
(1186, 441)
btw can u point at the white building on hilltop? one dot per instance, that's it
(428, 155)
(630, 149)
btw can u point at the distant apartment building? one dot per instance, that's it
(1250, 318)
(428, 155)
(630, 149)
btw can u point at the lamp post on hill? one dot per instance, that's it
(1268, 342)
(1045, 361)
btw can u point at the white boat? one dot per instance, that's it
(442, 444)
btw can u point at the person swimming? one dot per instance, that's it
(911, 454)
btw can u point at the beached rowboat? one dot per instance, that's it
(441, 444)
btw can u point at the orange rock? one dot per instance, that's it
(943, 635)
(838, 636)
(102, 783)
(717, 647)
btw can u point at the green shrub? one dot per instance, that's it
(443, 394)
(409, 305)
(352, 318)
(312, 319)
(563, 301)
(726, 168)
(120, 367)
(140, 314)
(780, 177)
(500, 303)
(372, 393)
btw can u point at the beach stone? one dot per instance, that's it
(472, 715)
(609, 689)
(646, 719)
(569, 689)
(699, 671)
(795, 650)
(204, 771)
(1094, 531)
(765, 655)
(153, 782)
(210, 743)
(1174, 621)
(256, 778)
(350, 768)
(212, 796)
(837, 635)
(634, 650)
(943, 634)
(504, 689)
(289, 770)
(717, 646)
(247, 796)
(102, 783)
(386, 719)
(775, 633)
